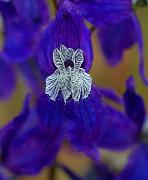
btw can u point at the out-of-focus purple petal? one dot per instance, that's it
(120, 132)
(67, 29)
(86, 123)
(110, 94)
(28, 146)
(20, 40)
(138, 32)
(7, 79)
(134, 104)
(20, 37)
(116, 38)
(8, 132)
(137, 165)
(31, 73)
(35, 11)
(102, 12)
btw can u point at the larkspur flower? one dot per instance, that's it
(24, 147)
(71, 104)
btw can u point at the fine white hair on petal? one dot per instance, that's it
(70, 81)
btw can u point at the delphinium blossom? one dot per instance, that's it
(71, 103)
(23, 22)
(71, 107)
(24, 147)
(117, 25)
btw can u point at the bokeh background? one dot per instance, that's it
(103, 75)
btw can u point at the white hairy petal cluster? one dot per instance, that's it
(70, 81)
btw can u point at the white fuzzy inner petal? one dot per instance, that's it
(70, 81)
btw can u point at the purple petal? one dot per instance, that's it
(116, 38)
(120, 131)
(32, 75)
(86, 123)
(110, 94)
(20, 40)
(102, 12)
(30, 147)
(67, 29)
(20, 36)
(7, 79)
(137, 165)
(139, 38)
(8, 132)
(35, 11)
(134, 104)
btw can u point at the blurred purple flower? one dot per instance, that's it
(23, 22)
(24, 147)
(124, 129)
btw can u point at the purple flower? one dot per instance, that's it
(23, 22)
(71, 104)
(25, 147)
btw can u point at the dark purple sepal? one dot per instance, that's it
(7, 79)
(117, 38)
(35, 12)
(86, 122)
(136, 169)
(68, 29)
(120, 133)
(103, 12)
(134, 104)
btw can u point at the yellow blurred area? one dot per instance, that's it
(103, 75)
